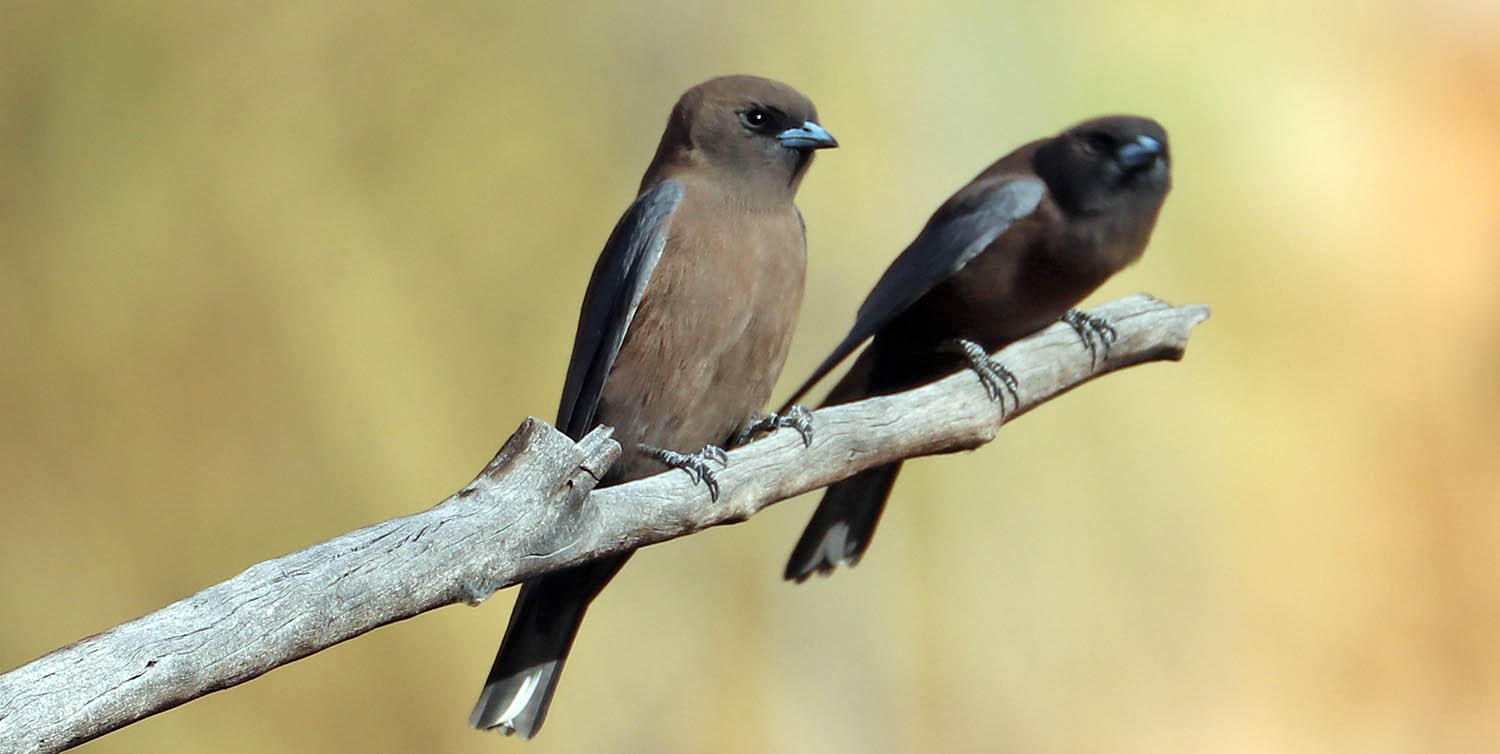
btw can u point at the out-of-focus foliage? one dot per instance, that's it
(272, 271)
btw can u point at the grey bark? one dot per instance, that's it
(528, 512)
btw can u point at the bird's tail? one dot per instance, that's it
(844, 523)
(542, 627)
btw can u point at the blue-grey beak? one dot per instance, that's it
(809, 135)
(1139, 153)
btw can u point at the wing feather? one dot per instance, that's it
(957, 233)
(615, 289)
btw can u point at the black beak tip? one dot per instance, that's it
(1140, 152)
(807, 136)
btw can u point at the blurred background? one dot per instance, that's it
(274, 271)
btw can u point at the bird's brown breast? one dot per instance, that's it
(712, 331)
(1027, 279)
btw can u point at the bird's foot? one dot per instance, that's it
(997, 380)
(1096, 334)
(695, 464)
(797, 417)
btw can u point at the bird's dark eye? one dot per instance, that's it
(1097, 143)
(756, 119)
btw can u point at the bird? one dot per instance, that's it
(684, 328)
(1011, 252)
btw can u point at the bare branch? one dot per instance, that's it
(527, 513)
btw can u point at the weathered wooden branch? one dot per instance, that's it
(528, 512)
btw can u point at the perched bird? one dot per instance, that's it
(1010, 253)
(684, 329)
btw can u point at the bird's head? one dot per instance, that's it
(761, 132)
(1116, 163)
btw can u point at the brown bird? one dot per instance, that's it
(1010, 253)
(684, 329)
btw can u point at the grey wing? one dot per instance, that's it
(614, 292)
(957, 232)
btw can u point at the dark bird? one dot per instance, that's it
(1010, 253)
(684, 329)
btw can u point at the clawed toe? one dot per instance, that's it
(997, 380)
(715, 453)
(694, 464)
(1097, 335)
(797, 417)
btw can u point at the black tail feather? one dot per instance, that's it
(843, 525)
(542, 627)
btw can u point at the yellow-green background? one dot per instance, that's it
(273, 271)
